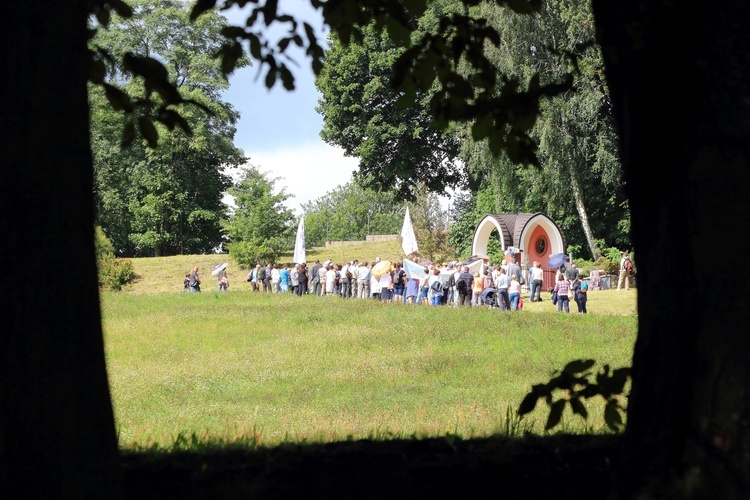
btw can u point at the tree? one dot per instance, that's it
(430, 224)
(363, 115)
(679, 92)
(167, 199)
(351, 212)
(260, 227)
(579, 179)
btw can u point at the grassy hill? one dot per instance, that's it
(165, 274)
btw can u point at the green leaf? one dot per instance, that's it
(555, 414)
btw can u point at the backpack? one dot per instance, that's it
(398, 277)
(452, 281)
(437, 286)
(462, 287)
(262, 274)
(348, 275)
(628, 265)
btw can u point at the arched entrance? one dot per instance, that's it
(531, 237)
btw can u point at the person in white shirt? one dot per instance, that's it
(363, 281)
(330, 279)
(275, 275)
(537, 279)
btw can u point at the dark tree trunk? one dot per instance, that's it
(57, 433)
(678, 75)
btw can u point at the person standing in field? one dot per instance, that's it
(424, 285)
(284, 278)
(354, 280)
(436, 288)
(194, 281)
(562, 288)
(464, 284)
(329, 280)
(514, 268)
(537, 277)
(580, 290)
(363, 280)
(254, 278)
(398, 276)
(275, 279)
(412, 290)
(315, 278)
(626, 267)
(386, 286)
(514, 292)
(302, 280)
(572, 273)
(502, 283)
(223, 280)
(267, 278)
(322, 277)
(477, 289)
(294, 276)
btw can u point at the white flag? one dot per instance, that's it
(299, 244)
(408, 240)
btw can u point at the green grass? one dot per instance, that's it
(267, 369)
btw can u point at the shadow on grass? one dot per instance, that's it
(561, 466)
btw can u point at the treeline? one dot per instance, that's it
(168, 199)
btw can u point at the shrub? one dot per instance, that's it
(115, 272)
(247, 254)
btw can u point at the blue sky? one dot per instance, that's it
(280, 130)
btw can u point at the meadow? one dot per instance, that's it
(264, 369)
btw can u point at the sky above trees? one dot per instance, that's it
(280, 130)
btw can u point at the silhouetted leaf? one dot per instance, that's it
(555, 414)
(578, 407)
(200, 7)
(270, 78)
(612, 416)
(578, 366)
(528, 404)
(121, 8)
(119, 100)
(128, 134)
(97, 71)
(148, 131)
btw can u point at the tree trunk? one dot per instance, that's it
(57, 433)
(581, 208)
(678, 76)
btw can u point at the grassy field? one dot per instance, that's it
(266, 368)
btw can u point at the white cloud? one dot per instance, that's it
(307, 171)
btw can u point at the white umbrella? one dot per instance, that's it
(300, 256)
(408, 240)
(219, 268)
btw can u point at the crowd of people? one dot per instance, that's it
(451, 283)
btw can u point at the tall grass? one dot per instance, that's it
(268, 368)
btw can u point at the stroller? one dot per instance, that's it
(489, 297)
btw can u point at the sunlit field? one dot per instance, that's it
(270, 368)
